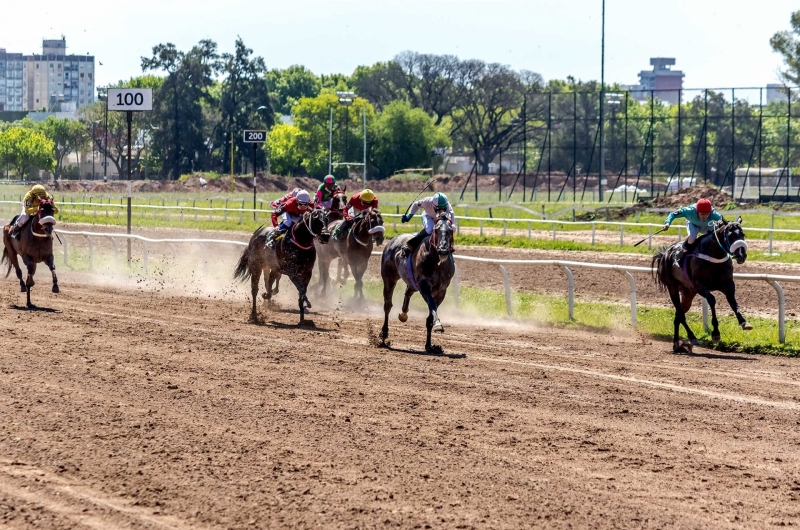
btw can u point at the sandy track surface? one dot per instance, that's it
(135, 409)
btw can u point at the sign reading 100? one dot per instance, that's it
(130, 99)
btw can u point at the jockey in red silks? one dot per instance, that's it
(358, 203)
(292, 211)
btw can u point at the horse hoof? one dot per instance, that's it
(747, 327)
(56, 289)
(402, 317)
(438, 328)
(23, 289)
(695, 342)
(682, 347)
(436, 350)
(264, 296)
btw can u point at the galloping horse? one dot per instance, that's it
(294, 256)
(709, 269)
(34, 245)
(428, 270)
(338, 204)
(353, 250)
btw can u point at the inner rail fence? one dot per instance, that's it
(566, 266)
(527, 225)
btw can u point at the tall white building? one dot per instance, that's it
(52, 81)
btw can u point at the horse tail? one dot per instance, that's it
(242, 271)
(661, 268)
(5, 259)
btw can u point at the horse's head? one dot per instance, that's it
(45, 217)
(339, 201)
(731, 237)
(372, 225)
(317, 221)
(442, 238)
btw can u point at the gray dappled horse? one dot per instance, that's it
(428, 269)
(708, 269)
(34, 244)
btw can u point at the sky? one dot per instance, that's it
(717, 43)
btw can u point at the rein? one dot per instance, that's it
(358, 224)
(36, 221)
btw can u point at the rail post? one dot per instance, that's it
(704, 303)
(621, 236)
(116, 251)
(781, 311)
(66, 250)
(456, 286)
(507, 288)
(570, 292)
(649, 238)
(632, 282)
(554, 231)
(144, 256)
(91, 253)
(594, 228)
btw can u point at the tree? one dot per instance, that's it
(68, 136)
(117, 149)
(311, 117)
(484, 121)
(179, 105)
(25, 149)
(787, 44)
(287, 86)
(380, 84)
(402, 137)
(282, 145)
(244, 100)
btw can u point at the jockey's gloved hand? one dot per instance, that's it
(666, 226)
(406, 218)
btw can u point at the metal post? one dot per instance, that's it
(330, 143)
(602, 103)
(105, 142)
(704, 304)
(570, 292)
(500, 177)
(788, 137)
(760, 138)
(548, 139)
(652, 142)
(733, 143)
(525, 142)
(574, 144)
(232, 187)
(506, 288)
(627, 94)
(93, 149)
(781, 311)
(680, 137)
(255, 146)
(705, 139)
(130, 120)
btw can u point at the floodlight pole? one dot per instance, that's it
(364, 176)
(602, 104)
(330, 143)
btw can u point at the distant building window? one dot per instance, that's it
(81, 75)
(37, 101)
(37, 66)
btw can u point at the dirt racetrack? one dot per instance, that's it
(126, 408)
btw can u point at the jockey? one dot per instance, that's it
(433, 206)
(277, 203)
(294, 209)
(325, 192)
(30, 205)
(700, 219)
(358, 203)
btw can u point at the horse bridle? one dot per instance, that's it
(36, 221)
(730, 250)
(433, 235)
(366, 217)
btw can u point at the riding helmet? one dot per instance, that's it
(329, 180)
(367, 196)
(303, 197)
(38, 188)
(440, 201)
(703, 206)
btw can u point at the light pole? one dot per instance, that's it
(103, 96)
(602, 103)
(266, 144)
(94, 147)
(346, 99)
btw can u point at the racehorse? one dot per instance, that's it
(34, 244)
(353, 250)
(708, 269)
(293, 255)
(428, 270)
(338, 205)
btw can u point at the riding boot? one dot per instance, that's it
(15, 231)
(275, 236)
(342, 229)
(413, 243)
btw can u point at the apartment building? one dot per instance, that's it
(51, 81)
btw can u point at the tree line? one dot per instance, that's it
(416, 102)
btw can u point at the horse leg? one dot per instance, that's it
(301, 297)
(12, 258)
(272, 276)
(358, 269)
(50, 262)
(403, 316)
(680, 318)
(687, 296)
(730, 294)
(712, 303)
(388, 290)
(255, 276)
(31, 265)
(432, 322)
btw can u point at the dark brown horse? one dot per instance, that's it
(709, 269)
(338, 205)
(293, 255)
(34, 245)
(428, 270)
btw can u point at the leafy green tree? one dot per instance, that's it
(403, 137)
(179, 105)
(287, 86)
(24, 150)
(380, 84)
(115, 149)
(787, 44)
(68, 136)
(244, 100)
(282, 144)
(312, 119)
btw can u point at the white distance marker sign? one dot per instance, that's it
(134, 99)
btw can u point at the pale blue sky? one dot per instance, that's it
(717, 43)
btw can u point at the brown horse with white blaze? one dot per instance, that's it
(34, 244)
